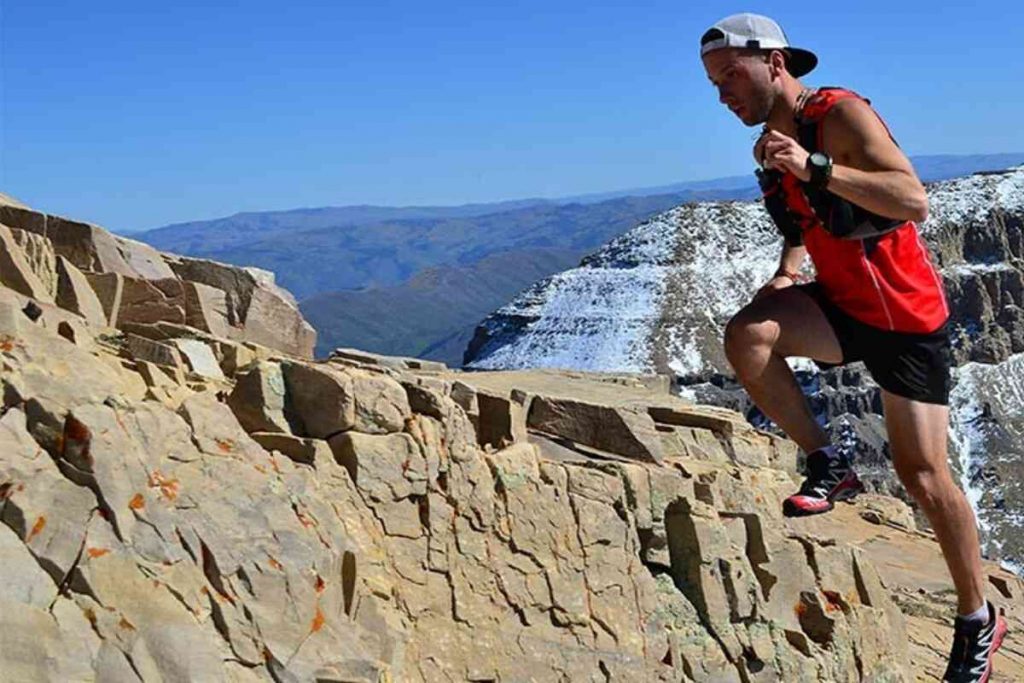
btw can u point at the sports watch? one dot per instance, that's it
(820, 166)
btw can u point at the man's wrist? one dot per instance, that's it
(819, 166)
(782, 272)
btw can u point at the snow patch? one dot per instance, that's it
(972, 198)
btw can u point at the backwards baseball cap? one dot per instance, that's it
(756, 32)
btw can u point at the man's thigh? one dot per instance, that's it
(794, 323)
(918, 433)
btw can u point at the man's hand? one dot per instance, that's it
(783, 153)
(775, 284)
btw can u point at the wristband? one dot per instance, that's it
(787, 273)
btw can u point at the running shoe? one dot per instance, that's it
(974, 646)
(829, 480)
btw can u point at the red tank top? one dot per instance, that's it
(886, 281)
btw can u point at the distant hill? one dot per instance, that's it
(384, 254)
(433, 315)
(365, 259)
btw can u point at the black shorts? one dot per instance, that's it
(915, 366)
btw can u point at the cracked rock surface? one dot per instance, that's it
(363, 520)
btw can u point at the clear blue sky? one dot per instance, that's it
(136, 114)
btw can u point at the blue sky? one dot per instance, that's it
(137, 114)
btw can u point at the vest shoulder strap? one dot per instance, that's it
(839, 217)
(817, 107)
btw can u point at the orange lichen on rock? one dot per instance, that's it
(225, 445)
(168, 487)
(36, 528)
(137, 502)
(96, 552)
(275, 564)
(318, 621)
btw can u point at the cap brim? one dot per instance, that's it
(801, 61)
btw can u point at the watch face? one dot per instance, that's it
(819, 159)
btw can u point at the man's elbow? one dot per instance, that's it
(918, 208)
(915, 200)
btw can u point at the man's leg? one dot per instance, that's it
(758, 340)
(917, 436)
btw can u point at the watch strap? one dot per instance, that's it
(820, 173)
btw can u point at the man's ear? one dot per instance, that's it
(777, 63)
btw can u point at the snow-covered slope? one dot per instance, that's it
(657, 297)
(646, 301)
(987, 408)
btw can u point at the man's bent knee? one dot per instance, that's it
(748, 343)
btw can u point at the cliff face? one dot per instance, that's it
(180, 505)
(128, 285)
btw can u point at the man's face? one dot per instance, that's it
(744, 83)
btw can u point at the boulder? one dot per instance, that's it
(274, 320)
(109, 288)
(90, 247)
(140, 348)
(200, 359)
(622, 430)
(502, 420)
(206, 309)
(258, 309)
(151, 301)
(16, 271)
(75, 294)
(322, 398)
(258, 399)
(38, 253)
(327, 400)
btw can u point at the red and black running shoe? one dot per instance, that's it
(974, 646)
(829, 479)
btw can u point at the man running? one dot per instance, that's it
(839, 188)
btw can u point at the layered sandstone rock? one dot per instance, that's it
(43, 256)
(360, 520)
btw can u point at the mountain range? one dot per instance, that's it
(356, 269)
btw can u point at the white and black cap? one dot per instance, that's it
(757, 32)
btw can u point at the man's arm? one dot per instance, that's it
(789, 265)
(792, 259)
(868, 168)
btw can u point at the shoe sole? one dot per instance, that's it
(1001, 629)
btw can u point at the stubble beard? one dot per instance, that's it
(761, 111)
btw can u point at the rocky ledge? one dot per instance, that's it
(182, 502)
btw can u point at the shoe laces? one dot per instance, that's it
(823, 474)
